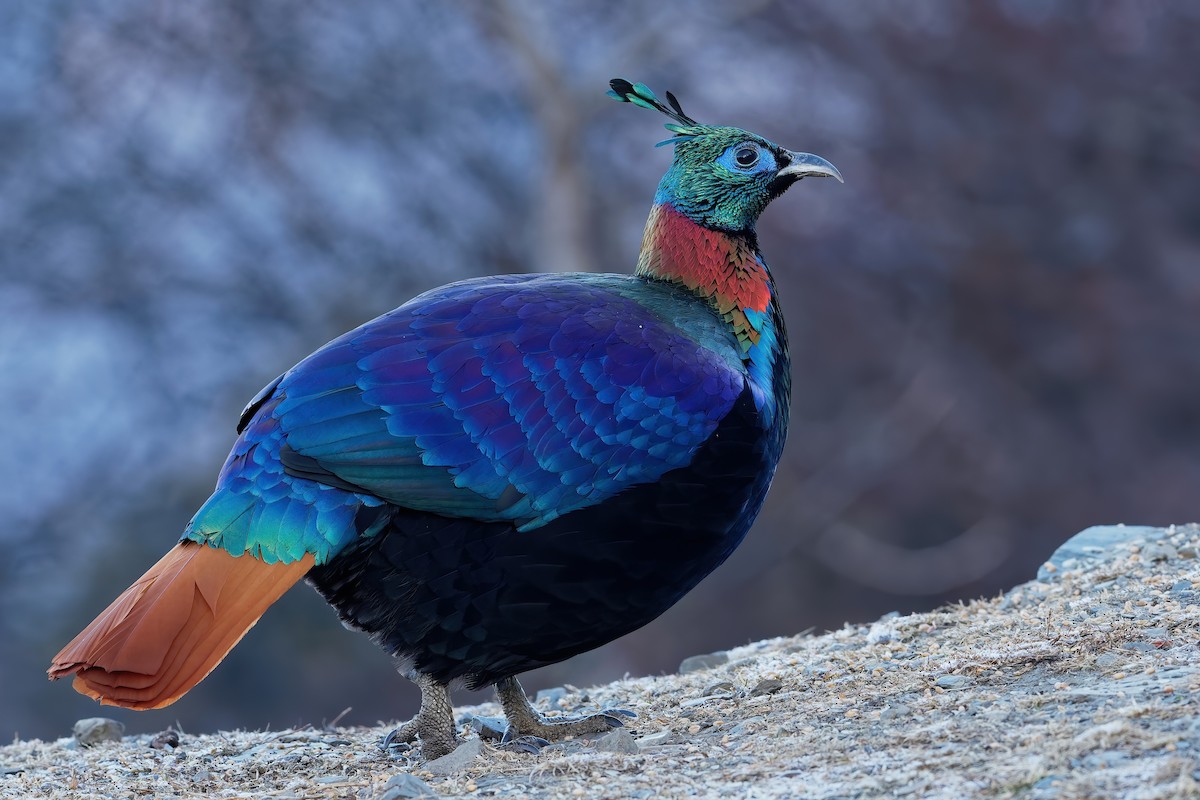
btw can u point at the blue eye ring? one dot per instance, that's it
(747, 159)
(746, 156)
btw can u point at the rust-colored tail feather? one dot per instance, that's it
(173, 626)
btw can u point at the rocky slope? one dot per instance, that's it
(1081, 683)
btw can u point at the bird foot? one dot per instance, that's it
(524, 721)
(435, 742)
(433, 725)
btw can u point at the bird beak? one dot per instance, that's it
(806, 165)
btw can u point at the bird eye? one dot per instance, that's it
(746, 157)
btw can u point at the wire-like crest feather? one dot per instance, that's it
(641, 95)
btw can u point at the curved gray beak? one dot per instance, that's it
(806, 165)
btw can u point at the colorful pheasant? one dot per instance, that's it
(502, 472)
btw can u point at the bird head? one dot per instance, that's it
(722, 177)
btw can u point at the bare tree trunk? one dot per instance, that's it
(564, 213)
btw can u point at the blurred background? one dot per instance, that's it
(995, 322)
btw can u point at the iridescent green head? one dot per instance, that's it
(722, 177)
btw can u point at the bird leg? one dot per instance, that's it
(433, 724)
(525, 722)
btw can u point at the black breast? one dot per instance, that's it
(482, 601)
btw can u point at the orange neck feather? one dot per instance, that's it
(720, 267)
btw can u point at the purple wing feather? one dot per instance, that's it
(514, 398)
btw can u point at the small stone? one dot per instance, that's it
(697, 663)
(894, 712)
(766, 686)
(656, 739)
(619, 740)
(881, 633)
(1181, 586)
(1104, 733)
(1159, 551)
(1156, 633)
(1104, 759)
(405, 785)
(252, 753)
(491, 728)
(724, 687)
(744, 726)
(564, 747)
(953, 682)
(691, 704)
(459, 759)
(552, 697)
(167, 738)
(1141, 647)
(94, 730)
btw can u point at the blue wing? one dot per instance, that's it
(518, 398)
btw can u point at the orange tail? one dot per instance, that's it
(173, 626)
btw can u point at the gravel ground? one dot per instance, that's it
(1082, 683)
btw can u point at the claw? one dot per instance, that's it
(522, 744)
(394, 742)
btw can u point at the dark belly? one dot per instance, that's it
(483, 601)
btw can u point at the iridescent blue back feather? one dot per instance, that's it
(516, 398)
